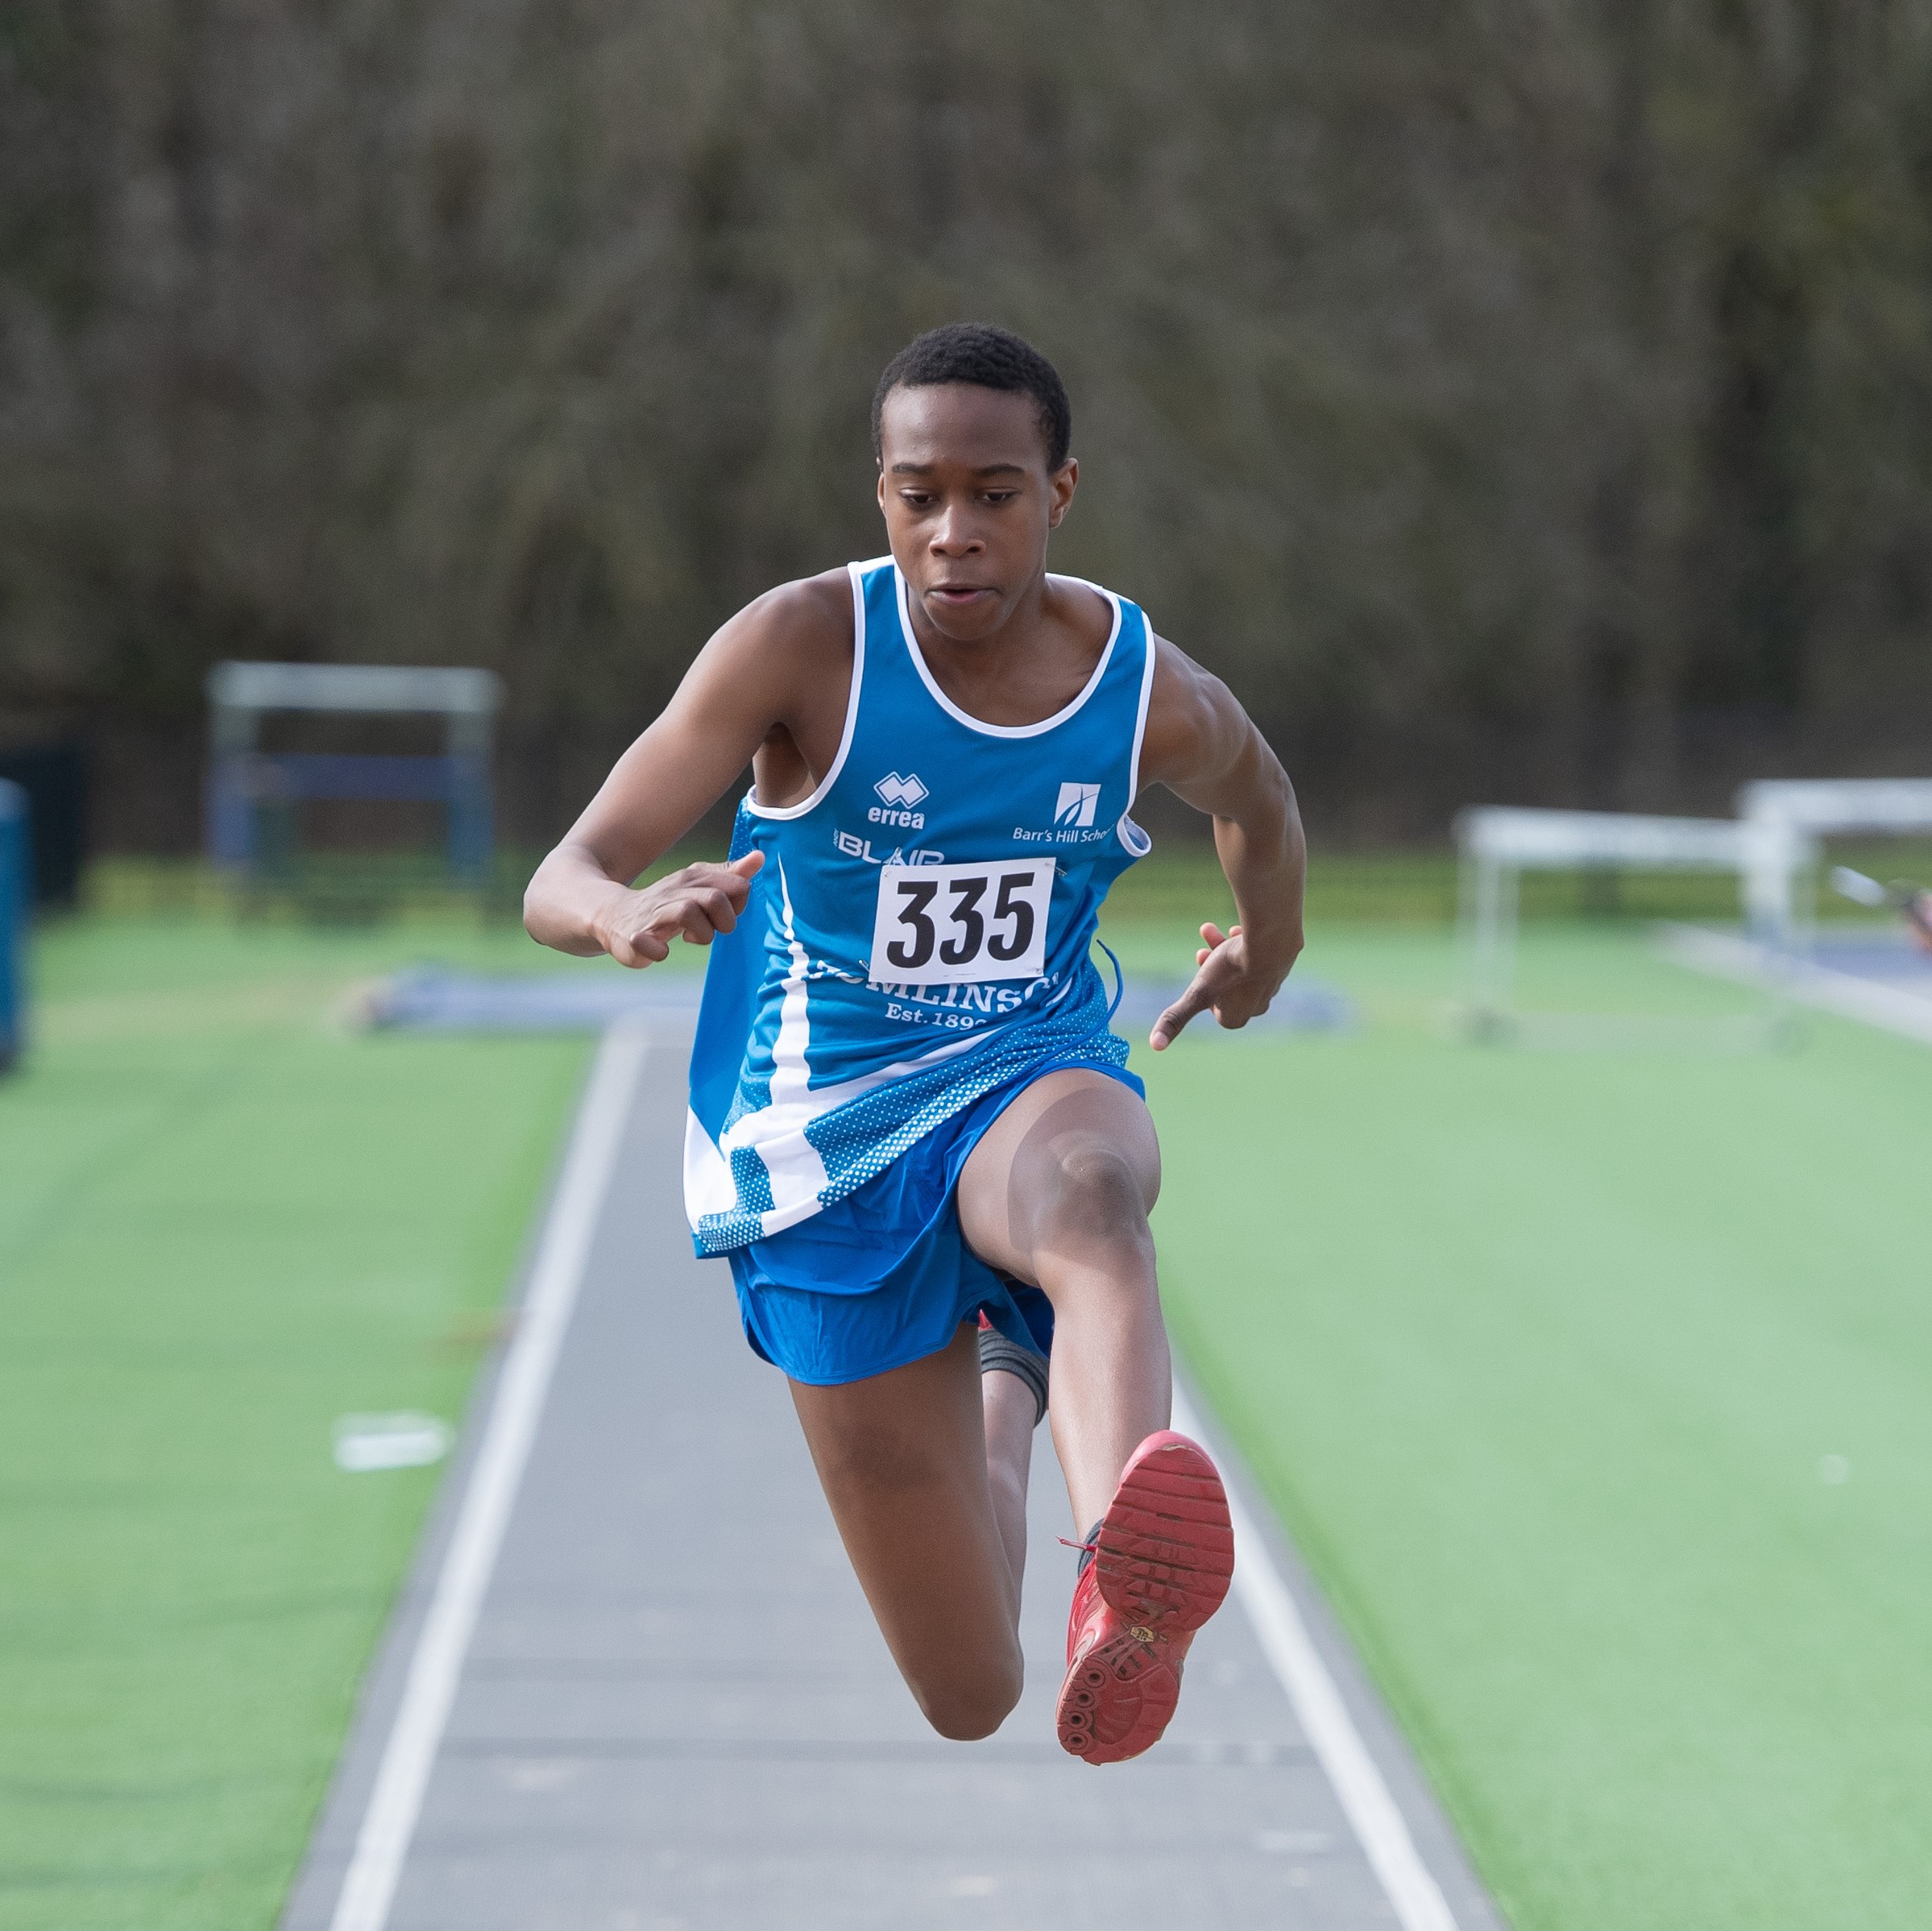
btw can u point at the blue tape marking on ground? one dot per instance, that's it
(1302, 1006)
(431, 998)
(1891, 961)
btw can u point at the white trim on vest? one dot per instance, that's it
(1005, 730)
(852, 570)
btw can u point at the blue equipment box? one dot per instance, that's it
(16, 897)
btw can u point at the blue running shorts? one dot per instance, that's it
(884, 1277)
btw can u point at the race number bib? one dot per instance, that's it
(942, 925)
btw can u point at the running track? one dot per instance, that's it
(632, 1686)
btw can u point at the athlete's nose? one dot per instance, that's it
(951, 536)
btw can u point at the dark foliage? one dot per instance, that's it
(1514, 400)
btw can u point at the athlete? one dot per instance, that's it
(912, 1134)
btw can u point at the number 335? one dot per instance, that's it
(940, 925)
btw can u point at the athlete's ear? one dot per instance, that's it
(1060, 485)
(881, 489)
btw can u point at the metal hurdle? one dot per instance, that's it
(245, 780)
(1787, 817)
(1497, 843)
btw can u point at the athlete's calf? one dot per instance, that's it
(902, 1459)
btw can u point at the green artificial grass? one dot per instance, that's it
(1542, 1355)
(226, 1219)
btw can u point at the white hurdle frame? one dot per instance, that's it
(1787, 817)
(1497, 843)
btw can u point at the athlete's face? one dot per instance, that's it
(969, 501)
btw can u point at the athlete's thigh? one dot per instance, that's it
(1066, 1125)
(902, 1458)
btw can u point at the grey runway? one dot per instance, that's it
(675, 1713)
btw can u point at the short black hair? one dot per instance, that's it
(991, 358)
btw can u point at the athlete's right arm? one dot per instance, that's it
(771, 669)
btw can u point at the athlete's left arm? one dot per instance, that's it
(1205, 748)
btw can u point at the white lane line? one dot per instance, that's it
(382, 1844)
(1325, 1719)
(1894, 1009)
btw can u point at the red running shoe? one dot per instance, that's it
(1164, 1556)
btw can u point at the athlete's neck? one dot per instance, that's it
(1031, 666)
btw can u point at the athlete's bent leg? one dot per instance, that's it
(903, 1458)
(1057, 1192)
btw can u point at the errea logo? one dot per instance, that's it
(1076, 805)
(896, 790)
(903, 792)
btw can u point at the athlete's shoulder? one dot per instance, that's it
(1190, 713)
(782, 645)
(1180, 685)
(774, 662)
(810, 616)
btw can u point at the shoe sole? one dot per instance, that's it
(1118, 1699)
(1164, 1557)
(1165, 1553)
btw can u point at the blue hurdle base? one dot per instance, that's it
(252, 797)
(16, 913)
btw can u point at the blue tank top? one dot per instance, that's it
(921, 932)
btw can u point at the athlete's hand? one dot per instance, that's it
(699, 902)
(1229, 981)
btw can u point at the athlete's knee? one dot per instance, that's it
(966, 1709)
(1099, 1192)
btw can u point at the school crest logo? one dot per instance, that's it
(905, 791)
(1076, 805)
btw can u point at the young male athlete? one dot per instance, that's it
(912, 1132)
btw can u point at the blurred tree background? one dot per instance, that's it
(1519, 400)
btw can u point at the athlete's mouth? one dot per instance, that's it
(960, 593)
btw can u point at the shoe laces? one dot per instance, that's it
(1088, 1548)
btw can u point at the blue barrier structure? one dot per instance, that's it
(245, 784)
(16, 910)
